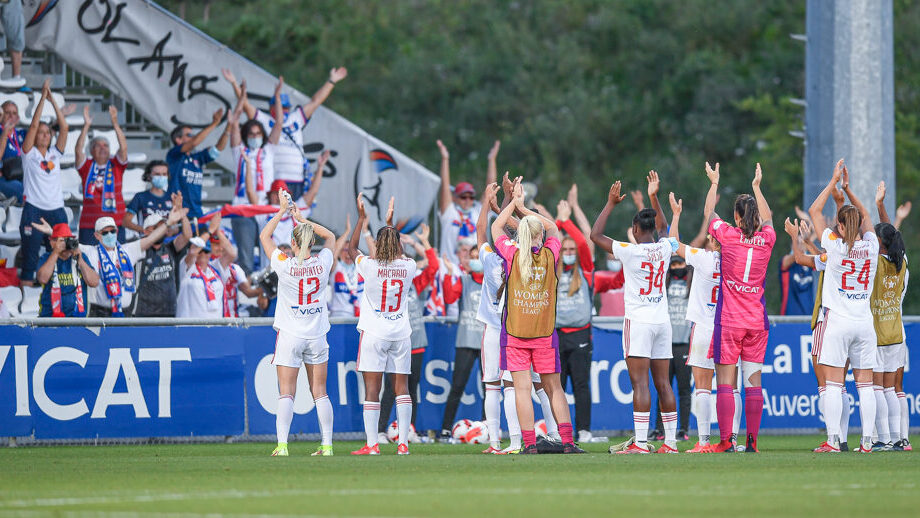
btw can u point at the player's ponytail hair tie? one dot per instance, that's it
(303, 235)
(746, 209)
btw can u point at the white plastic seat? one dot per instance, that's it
(11, 297)
(30, 297)
(71, 183)
(132, 183)
(11, 227)
(8, 253)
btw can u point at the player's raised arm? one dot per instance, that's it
(488, 198)
(712, 197)
(661, 224)
(597, 231)
(818, 206)
(766, 215)
(866, 225)
(677, 206)
(793, 229)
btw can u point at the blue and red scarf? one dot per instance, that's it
(116, 277)
(108, 186)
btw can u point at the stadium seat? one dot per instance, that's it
(9, 254)
(11, 297)
(2, 217)
(71, 184)
(21, 101)
(47, 113)
(29, 306)
(11, 226)
(70, 220)
(132, 183)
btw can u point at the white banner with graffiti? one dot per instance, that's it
(171, 73)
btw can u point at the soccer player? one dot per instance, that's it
(887, 307)
(647, 326)
(741, 327)
(302, 321)
(701, 310)
(385, 344)
(529, 338)
(852, 259)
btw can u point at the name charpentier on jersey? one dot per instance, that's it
(306, 271)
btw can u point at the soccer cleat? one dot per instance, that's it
(683, 435)
(826, 448)
(570, 447)
(621, 446)
(843, 446)
(863, 448)
(280, 450)
(751, 446)
(445, 436)
(413, 437)
(528, 450)
(323, 451)
(700, 448)
(492, 450)
(905, 445)
(402, 449)
(547, 444)
(726, 446)
(666, 449)
(656, 435)
(897, 446)
(367, 450)
(883, 446)
(634, 448)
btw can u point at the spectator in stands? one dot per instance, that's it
(347, 283)
(185, 164)
(291, 164)
(460, 209)
(65, 275)
(101, 175)
(158, 270)
(114, 263)
(155, 200)
(223, 255)
(252, 152)
(42, 192)
(14, 35)
(11, 172)
(201, 290)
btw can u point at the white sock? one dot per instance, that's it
(866, 410)
(833, 407)
(821, 402)
(371, 416)
(905, 415)
(894, 414)
(846, 407)
(669, 421)
(640, 423)
(736, 423)
(403, 417)
(514, 426)
(703, 417)
(493, 414)
(284, 417)
(324, 415)
(881, 414)
(552, 429)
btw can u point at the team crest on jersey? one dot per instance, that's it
(282, 256)
(890, 282)
(539, 274)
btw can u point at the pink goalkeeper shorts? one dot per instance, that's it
(545, 360)
(730, 343)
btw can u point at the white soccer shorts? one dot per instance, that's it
(376, 354)
(490, 355)
(647, 340)
(891, 357)
(700, 342)
(292, 351)
(842, 338)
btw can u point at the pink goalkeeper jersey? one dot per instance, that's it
(741, 300)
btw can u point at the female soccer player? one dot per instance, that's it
(528, 338)
(741, 325)
(647, 326)
(385, 344)
(887, 306)
(852, 258)
(701, 310)
(301, 320)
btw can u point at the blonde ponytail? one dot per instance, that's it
(303, 236)
(528, 227)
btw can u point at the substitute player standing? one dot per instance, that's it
(852, 259)
(385, 329)
(701, 311)
(647, 327)
(741, 327)
(302, 321)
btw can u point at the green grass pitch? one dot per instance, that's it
(786, 479)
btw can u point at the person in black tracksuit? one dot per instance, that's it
(678, 285)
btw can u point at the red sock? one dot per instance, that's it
(565, 432)
(753, 409)
(530, 438)
(725, 410)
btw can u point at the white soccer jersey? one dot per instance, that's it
(490, 309)
(384, 302)
(644, 268)
(849, 276)
(301, 310)
(704, 291)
